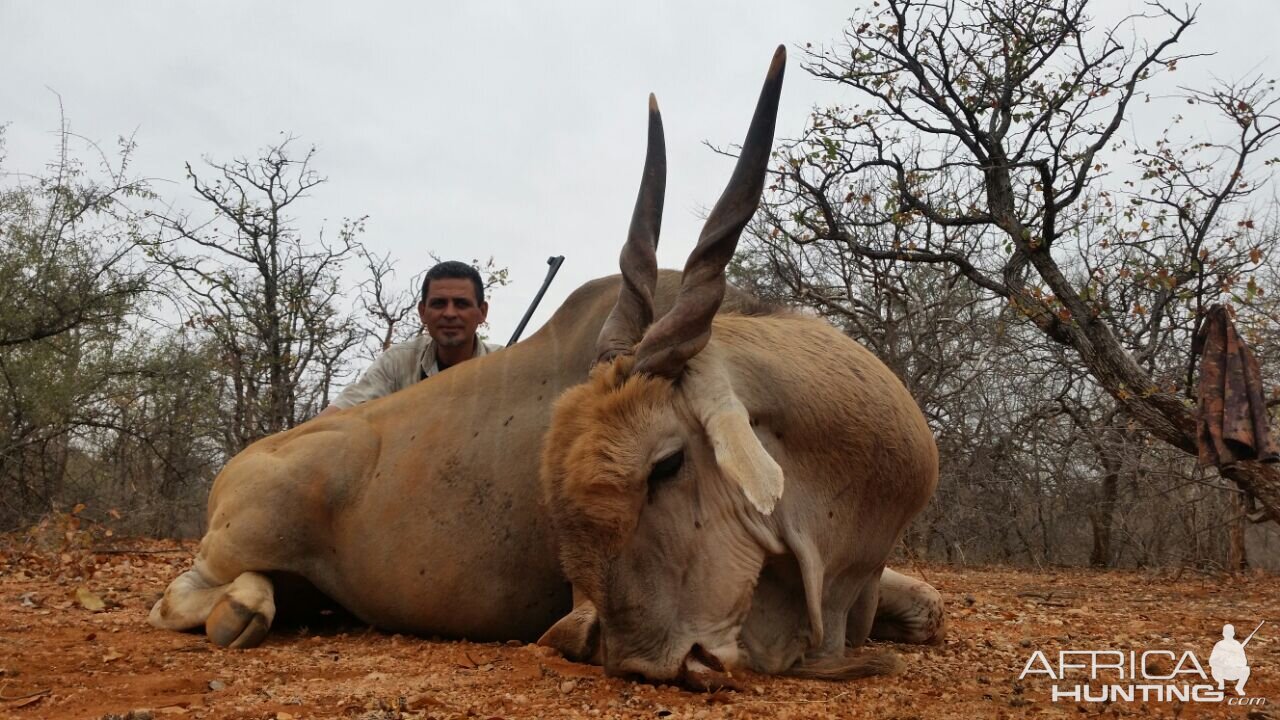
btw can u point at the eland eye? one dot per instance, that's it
(666, 468)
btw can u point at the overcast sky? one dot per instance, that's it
(505, 129)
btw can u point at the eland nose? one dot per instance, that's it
(699, 670)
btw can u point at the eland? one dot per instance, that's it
(719, 488)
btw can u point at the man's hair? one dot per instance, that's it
(452, 269)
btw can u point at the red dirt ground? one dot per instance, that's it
(60, 659)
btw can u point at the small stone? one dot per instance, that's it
(568, 686)
(216, 685)
(421, 701)
(514, 643)
(520, 699)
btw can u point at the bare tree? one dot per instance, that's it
(70, 276)
(989, 130)
(70, 237)
(269, 295)
(385, 311)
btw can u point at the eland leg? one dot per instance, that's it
(267, 508)
(909, 611)
(243, 616)
(187, 601)
(235, 614)
(223, 590)
(844, 658)
(863, 613)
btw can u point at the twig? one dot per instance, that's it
(474, 663)
(914, 558)
(1044, 599)
(124, 551)
(28, 696)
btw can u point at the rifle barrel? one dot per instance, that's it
(554, 262)
(1255, 632)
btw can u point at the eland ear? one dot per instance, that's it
(727, 422)
(577, 635)
(741, 456)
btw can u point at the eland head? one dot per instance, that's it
(724, 489)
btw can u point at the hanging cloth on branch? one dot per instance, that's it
(1231, 421)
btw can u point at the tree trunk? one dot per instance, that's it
(1260, 480)
(1237, 560)
(1102, 518)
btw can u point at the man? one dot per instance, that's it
(452, 307)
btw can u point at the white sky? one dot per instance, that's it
(505, 129)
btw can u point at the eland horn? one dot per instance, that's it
(633, 311)
(685, 330)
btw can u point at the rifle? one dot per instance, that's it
(555, 263)
(1255, 632)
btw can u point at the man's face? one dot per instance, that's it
(451, 312)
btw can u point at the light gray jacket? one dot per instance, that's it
(399, 367)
